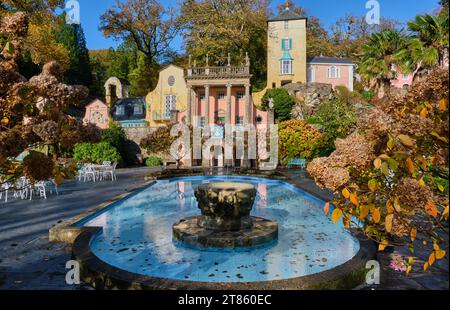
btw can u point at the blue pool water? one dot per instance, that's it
(137, 235)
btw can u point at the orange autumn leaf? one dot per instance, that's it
(424, 113)
(346, 193)
(440, 254)
(376, 215)
(425, 266)
(424, 163)
(413, 234)
(389, 207)
(435, 246)
(443, 105)
(363, 212)
(410, 166)
(377, 163)
(326, 208)
(431, 208)
(382, 246)
(431, 259)
(388, 222)
(336, 215)
(354, 199)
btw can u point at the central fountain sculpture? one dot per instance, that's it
(225, 221)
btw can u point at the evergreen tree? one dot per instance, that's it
(73, 39)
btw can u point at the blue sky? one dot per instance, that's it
(328, 11)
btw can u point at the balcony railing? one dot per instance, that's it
(218, 72)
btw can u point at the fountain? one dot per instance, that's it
(225, 221)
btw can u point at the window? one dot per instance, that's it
(201, 97)
(286, 66)
(286, 25)
(170, 104)
(240, 95)
(239, 120)
(221, 96)
(138, 110)
(202, 121)
(286, 44)
(405, 77)
(120, 110)
(311, 75)
(333, 72)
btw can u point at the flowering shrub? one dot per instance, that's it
(392, 173)
(297, 139)
(38, 166)
(96, 153)
(32, 111)
(158, 141)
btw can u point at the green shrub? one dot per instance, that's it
(153, 161)
(115, 136)
(297, 139)
(283, 103)
(96, 153)
(336, 118)
(368, 95)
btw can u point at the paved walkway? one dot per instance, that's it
(27, 259)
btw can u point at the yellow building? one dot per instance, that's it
(170, 94)
(286, 51)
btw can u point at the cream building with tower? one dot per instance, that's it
(286, 49)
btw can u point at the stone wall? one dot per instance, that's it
(308, 97)
(135, 135)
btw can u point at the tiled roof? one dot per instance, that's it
(329, 60)
(286, 15)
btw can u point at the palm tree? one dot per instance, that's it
(428, 47)
(378, 62)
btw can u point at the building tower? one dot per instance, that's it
(286, 59)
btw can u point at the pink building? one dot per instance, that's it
(216, 113)
(402, 80)
(97, 113)
(331, 70)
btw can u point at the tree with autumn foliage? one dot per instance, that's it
(391, 174)
(32, 111)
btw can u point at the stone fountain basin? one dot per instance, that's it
(189, 232)
(225, 221)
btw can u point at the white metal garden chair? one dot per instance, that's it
(90, 173)
(110, 170)
(4, 188)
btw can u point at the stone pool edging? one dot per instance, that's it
(67, 233)
(103, 276)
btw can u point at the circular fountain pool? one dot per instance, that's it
(137, 235)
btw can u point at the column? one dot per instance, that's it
(245, 163)
(248, 108)
(228, 116)
(228, 131)
(207, 105)
(189, 106)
